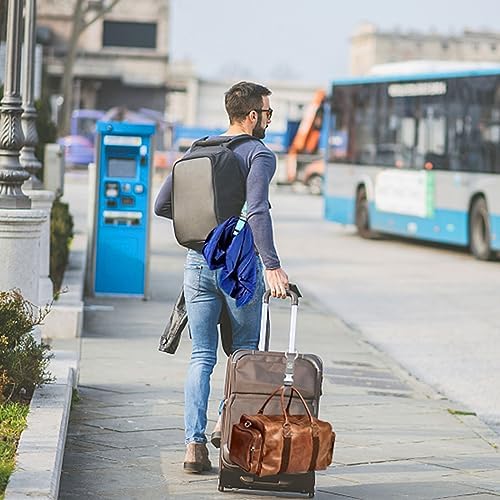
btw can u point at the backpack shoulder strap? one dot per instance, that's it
(224, 140)
(198, 141)
(242, 138)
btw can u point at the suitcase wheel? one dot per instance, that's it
(310, 494)
(220, 487)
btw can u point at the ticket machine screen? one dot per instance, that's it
(121, 167)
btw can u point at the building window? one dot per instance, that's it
(129, 34)
(444, 45)
(493, 47)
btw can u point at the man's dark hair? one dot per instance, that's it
(242, 98)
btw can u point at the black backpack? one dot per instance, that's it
(208, 187)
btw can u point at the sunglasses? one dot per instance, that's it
(268, 111)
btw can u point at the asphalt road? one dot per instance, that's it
(435, 310)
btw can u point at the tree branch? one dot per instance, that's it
(101, 13)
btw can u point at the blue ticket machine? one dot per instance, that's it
(121, 212)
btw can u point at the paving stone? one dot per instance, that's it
(406, 489)
(470, 463)
(476, 496)
(137, 423)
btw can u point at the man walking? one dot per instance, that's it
(248, 108)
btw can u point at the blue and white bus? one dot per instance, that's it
(417, 156)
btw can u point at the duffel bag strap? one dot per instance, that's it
(287, 435)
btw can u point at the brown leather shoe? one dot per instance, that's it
(196, 459)
(216, 434)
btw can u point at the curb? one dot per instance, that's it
(40, 452)
(41, 448)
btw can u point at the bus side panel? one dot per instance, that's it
(438, 210)
(495, 231)
(340, 190)
(339, 209)
(446, 226)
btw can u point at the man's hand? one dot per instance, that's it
(277, 280)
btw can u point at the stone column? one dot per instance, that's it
(42, 200)
(20, 232)
(20, 229)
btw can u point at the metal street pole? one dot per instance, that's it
(12, 174)
(27, 158)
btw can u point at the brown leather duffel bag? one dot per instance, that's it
(266, 445)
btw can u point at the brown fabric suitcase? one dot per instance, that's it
(251, 376)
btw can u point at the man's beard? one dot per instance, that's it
(259, 131)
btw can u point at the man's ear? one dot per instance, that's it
(253, 116)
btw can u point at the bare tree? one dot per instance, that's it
(86, 12)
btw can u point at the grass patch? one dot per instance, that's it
(12, 423)
(75, 397)
(461, 412)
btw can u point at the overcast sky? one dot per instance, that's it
(307, 40)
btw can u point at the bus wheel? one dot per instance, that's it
(480, 230)
(362, 215)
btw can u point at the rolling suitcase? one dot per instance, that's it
(251, 376)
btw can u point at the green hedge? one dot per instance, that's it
(23, 361)
(61, 234)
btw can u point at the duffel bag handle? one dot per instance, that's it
(284, 410)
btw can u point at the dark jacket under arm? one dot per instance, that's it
(163, 202)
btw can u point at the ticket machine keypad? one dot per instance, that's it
(112, 189)
(122, 195)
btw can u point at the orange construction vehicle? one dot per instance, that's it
(304, 162)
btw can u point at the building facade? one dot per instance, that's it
(122, 58)
(200, 102)
(371, 47)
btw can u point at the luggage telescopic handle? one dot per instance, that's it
(289, 293)
(263, 339)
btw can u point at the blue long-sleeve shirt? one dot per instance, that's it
(258, 164)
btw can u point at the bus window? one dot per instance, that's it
(431, 144)
(475, 126)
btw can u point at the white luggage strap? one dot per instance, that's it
(291, 353)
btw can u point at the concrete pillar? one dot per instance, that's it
(20, 232)
(42, 200)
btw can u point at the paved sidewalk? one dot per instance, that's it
(396, 438)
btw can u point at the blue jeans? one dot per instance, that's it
(204, 300)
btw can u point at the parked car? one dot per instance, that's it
(79, 145)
